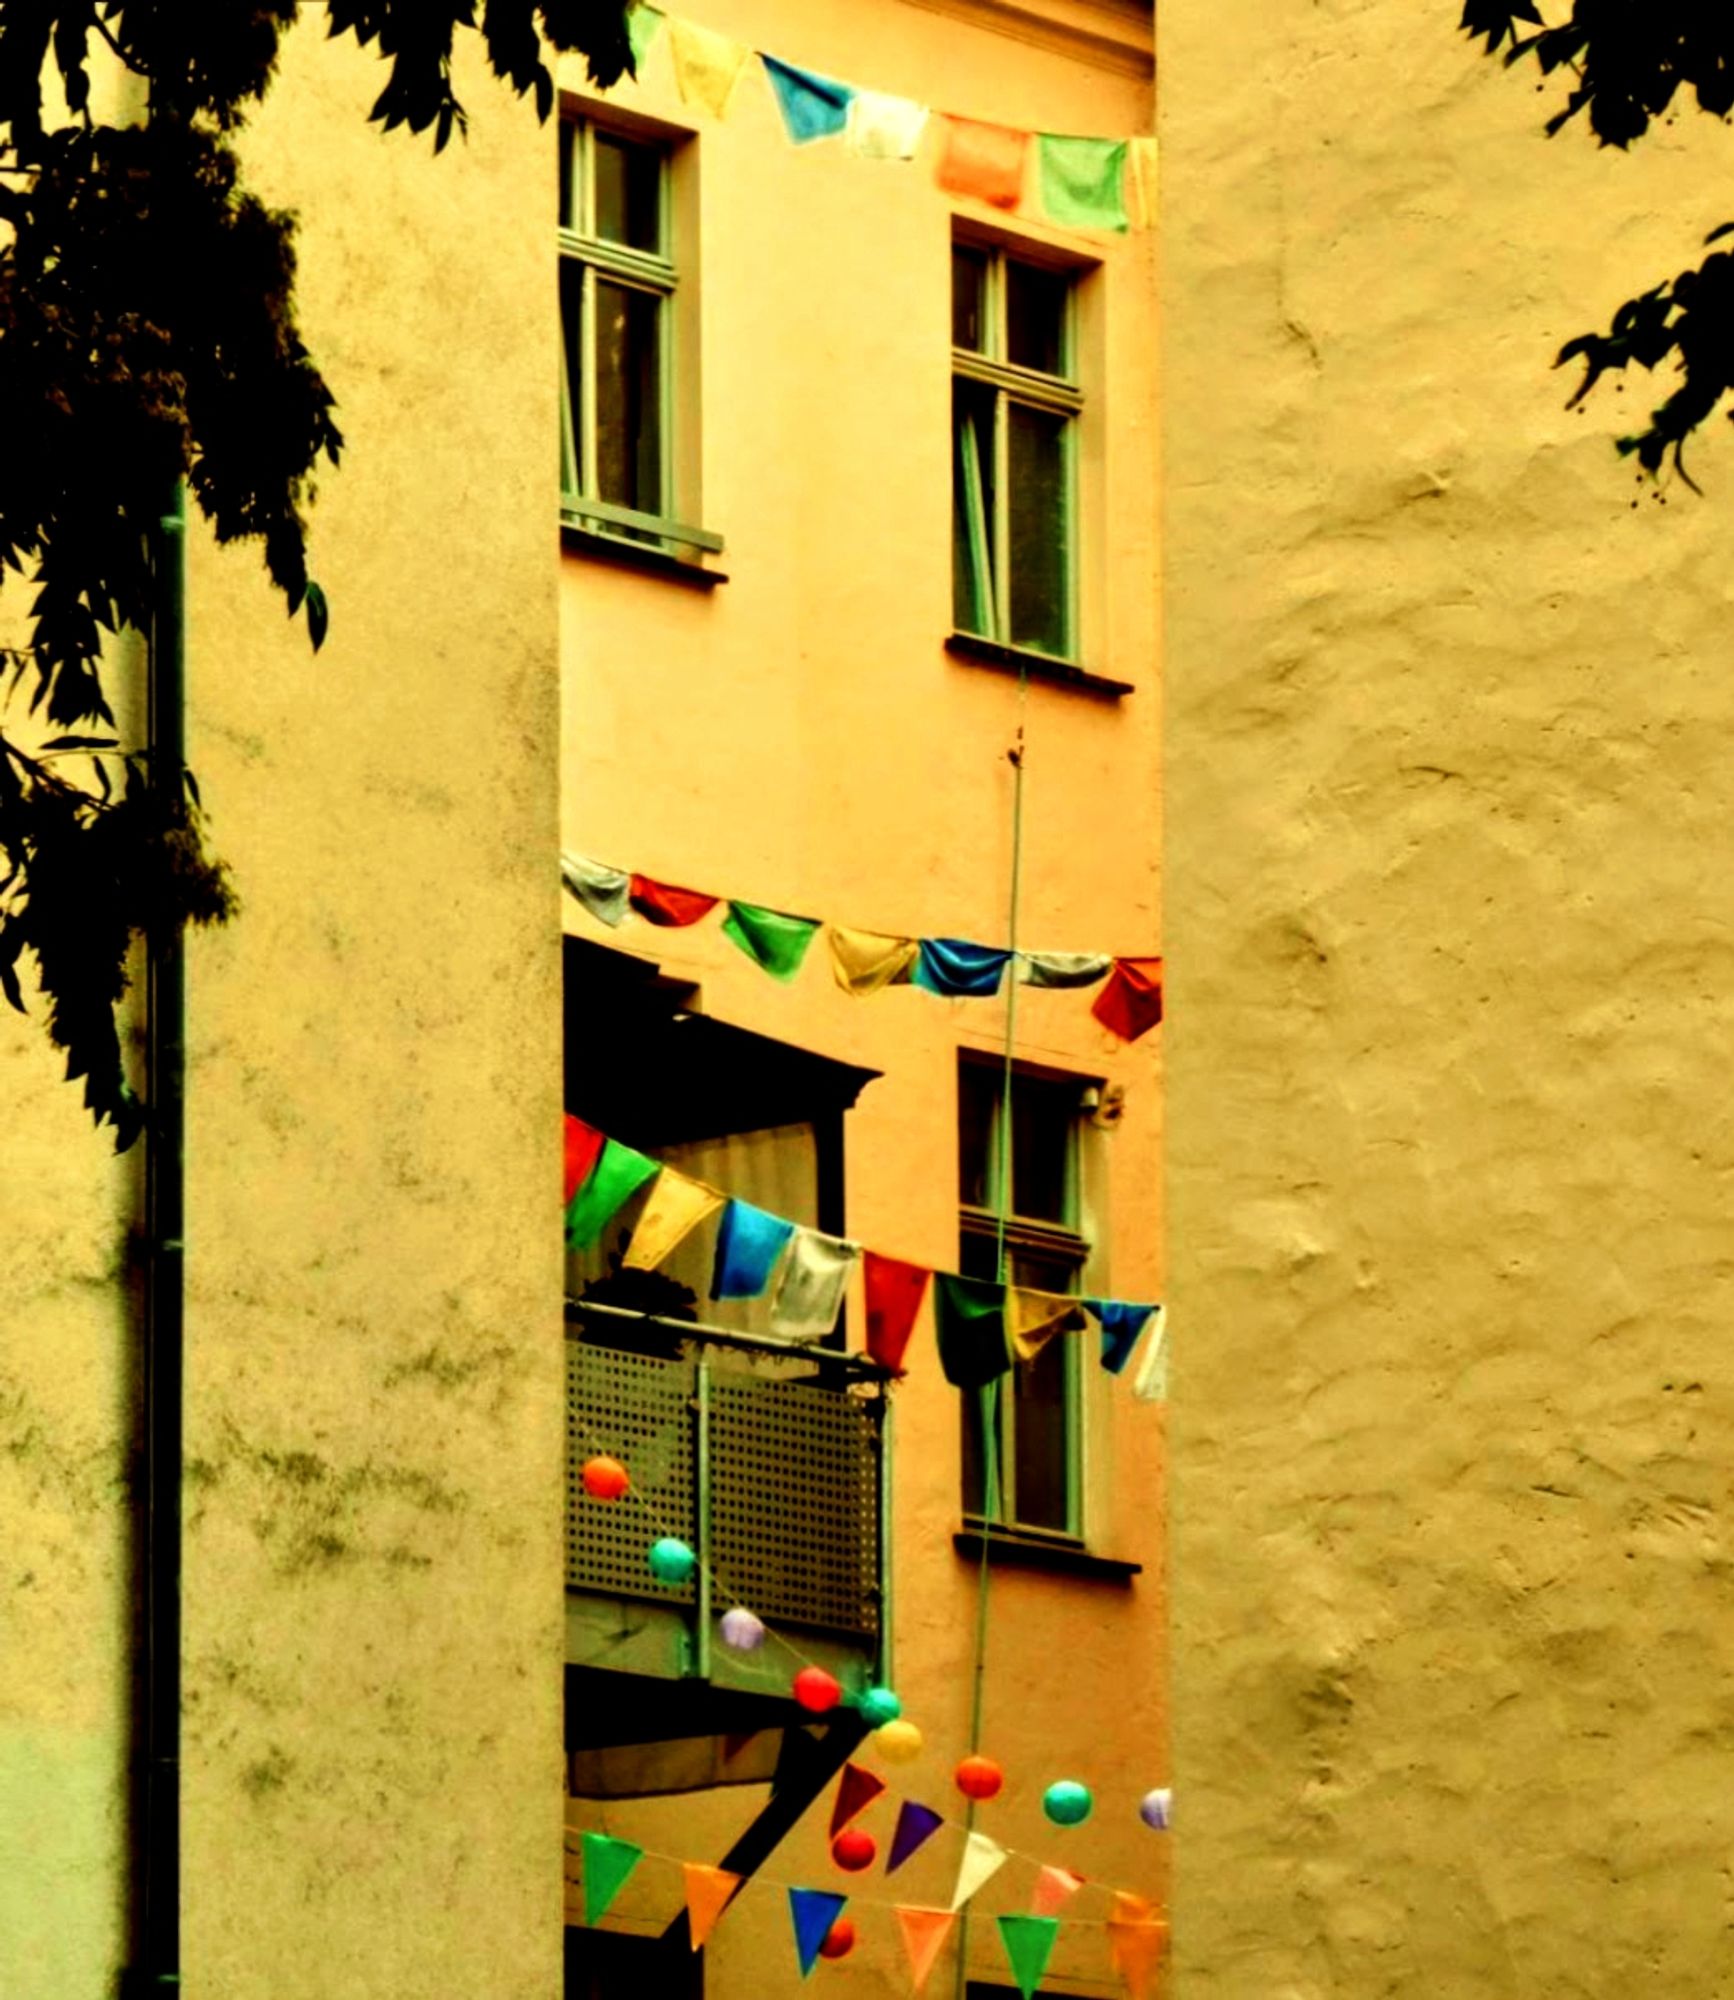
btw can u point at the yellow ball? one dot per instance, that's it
(898, 1742)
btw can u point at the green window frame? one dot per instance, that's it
(1039, 1405)
(1016, 400)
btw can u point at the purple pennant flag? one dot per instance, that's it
(915, 1824)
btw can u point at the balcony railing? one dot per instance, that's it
(770, 1459)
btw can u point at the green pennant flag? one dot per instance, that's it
(607, 1863)
(1083, 181)
(969, 1321)
(773, 941)
(1029, 1943)
(617, 1175)
(641, 26)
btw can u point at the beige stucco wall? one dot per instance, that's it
(1449, 795)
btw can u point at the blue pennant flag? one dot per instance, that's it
(747, 1248)
(1121, 1325)
(813, 107)
(959, 969)
(813, 1912)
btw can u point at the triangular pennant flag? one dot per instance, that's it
(865, 961)
(1029, 1944)
(607, 1863)
(958, 969)
(601, 890)
(915, 1825)
(773, 941)
(1035, 1317)
(642, 24)
(884, 128)
(810, 1293)
(1055, 1888)
(894, 1291)
(1063, 968)
(618, 1175)
(1131, 1002)
(707, 1895)
(986, 161)
(677, 1205)
(1083, 181)
(1150, 1384)
(662, 903)
(1135, 1945)
(707, 66)
(1131, 1908)
(747, 1248)
(924, 1935)
(813, 1912)
(856, 1791)
(982, 1859)
(969, 1319)
(1141, 180)
(813, 107)
(583, 1149)
(1122, 1322)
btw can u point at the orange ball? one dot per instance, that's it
(817, 1690)
(979, 1777)
(839, 1940)
(854, 1849)
(605, 1478)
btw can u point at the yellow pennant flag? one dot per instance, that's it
(707, 66)
(676, 1207)
(1035, 1317)
(864, 961)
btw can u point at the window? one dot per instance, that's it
(1014, 407)
(1039, 1402)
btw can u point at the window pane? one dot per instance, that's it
(969, 300)
(972, 511)
(1042, 1433)
(572, 379)
(1035, 313)
(978, 1089)
(568, 171)
(628, 398)
(628, 182)
(1040, 533)
(1044, 1129)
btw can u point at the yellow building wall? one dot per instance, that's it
(1449, 834)
(798, 737)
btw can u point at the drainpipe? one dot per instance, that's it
(157, 1861)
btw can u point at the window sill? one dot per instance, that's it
(1010, 1549)
(583, 539)
(1039, 666)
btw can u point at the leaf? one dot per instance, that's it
(192, 785)
(318, 615)
(1721, 229)
(11, 944)
(81, 743)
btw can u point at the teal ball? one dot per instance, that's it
(880, 1706)
(1067, 1803)
(672, 1561)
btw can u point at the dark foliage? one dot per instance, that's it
(1627, 61)
(147, 334)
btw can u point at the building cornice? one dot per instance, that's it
(1117, 35)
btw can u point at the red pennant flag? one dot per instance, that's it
(583, 1148)
(662, 903)
(1055, 1888)
(707, 1895)
(1131, 1002)
(986, 161)
(894, 1294)
(856, 1791)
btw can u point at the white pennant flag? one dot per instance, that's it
(982, 1859)
(602, 890)
(1150, 1384)
(884, 128)
(815, 1274)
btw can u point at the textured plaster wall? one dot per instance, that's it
(1449, 845)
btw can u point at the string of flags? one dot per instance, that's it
(1081, 182)
(865, 962)
(981, 1326)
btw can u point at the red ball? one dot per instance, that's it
(816, 1690)
(979, 1777)
(839, 1940)
(854, 1849)
(605, 1478)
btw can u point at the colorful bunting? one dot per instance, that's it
(924, 1935)
(982, 1859)
(607, 1863)
(708, 1891)
(1131, 1002)
(775, 942)
(642, 24)
(856, 1791)
(662, 903)
(884, 128)
(810, 1294)
(813, 107)
(958, 969)
(813, 1912)
(985, 161)
(1083, 181)
(707, 66)
(1062, 968)
(1150, 1384)
(583, 1147)
(1029, 1944)
(1141, 179)
(894, 1293)
(601, 890)
(1035, 1317)
(618, 1175)
(676, 1207)
(1135, 1944)
(1122, 1322)
(1055, 1888)
(748, 1246)
(916, 1825)
(865, 962)
(969, 1318)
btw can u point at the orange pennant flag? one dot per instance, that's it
(1055, 1888)
(1135, 1946)
(707, 1895)
(1131, 1908)
(924, 1935)
(986, 161)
